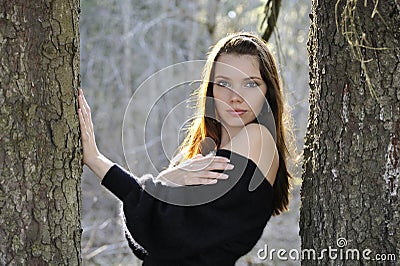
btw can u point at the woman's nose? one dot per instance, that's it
(235, 96)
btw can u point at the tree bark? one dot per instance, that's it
(40, 158)
(351, 165)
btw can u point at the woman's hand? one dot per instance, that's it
(196, 171)
(91, 155)
(90, 151)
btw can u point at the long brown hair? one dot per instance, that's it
(205, 126)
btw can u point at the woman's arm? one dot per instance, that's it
(196, 171)
(233, 217)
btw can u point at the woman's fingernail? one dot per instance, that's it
(230, 166)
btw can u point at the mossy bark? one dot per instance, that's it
(40, 158)
(351, 165)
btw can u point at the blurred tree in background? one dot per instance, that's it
(40, 160)
(352, 155)
(122, 44)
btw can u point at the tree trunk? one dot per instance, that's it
(40, 159)
(350, 191)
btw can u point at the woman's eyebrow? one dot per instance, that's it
(252, 78)
(221, 76)
(248, 78)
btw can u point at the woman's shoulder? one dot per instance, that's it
(256, 143)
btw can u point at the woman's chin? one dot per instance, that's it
(234, 123)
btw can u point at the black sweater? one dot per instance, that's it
(212, 225)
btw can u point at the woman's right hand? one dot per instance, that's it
(198, 170)
(90, 151)
(98, 163)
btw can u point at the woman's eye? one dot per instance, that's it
(223, 83)
(251, 84)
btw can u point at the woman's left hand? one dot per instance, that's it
(199, 170)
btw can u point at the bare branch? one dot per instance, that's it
(271, 12)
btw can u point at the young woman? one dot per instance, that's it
(236, 191)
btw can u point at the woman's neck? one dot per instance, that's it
(227, 134)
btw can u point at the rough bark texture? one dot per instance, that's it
(352, 149)
(40, 160)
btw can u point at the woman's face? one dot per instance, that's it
(239, 90)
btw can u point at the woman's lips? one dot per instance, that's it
(236, 112)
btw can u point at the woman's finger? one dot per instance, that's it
(200, 181)
(196, 168)
(213, 159)
(85, 103)
(212, 166)
(215, 163)
(85, 131)
(85, 110)
(81, 120)
(212, 175)
(220, 166)
(202, 177)
(85, 115)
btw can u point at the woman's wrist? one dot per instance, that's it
(162, 178)
(99, 165)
